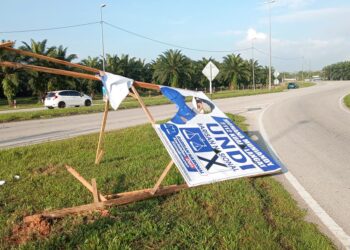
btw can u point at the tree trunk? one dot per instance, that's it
(233, 84)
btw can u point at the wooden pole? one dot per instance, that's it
(161, 178)
(143, 106)
(6, 44)
(94, 190)
(147, 85)
(50, 59)
(83, 181)
(100, 151)
(49, 70)
(124, 199)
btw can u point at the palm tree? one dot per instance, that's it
(234, 68)
(62, 82)
(39, 81)
(9, 77)
(172, 67)
(257, 68)
(113, 65)
(92, 87)
(10, 83)
(42, 82)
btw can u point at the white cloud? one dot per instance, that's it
(287, 53)
(253, 34)
(313, 15)
(230, 33)
(294, 4)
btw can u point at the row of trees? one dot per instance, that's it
(337, 71)
(170, 68)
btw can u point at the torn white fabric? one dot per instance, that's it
(117, 88)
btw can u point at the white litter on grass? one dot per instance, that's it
(17, 177)
(2, 182)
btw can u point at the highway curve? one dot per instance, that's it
(311, 134)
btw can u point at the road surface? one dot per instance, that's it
(308, 129)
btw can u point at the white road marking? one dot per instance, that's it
(332, 226)
(342, 104)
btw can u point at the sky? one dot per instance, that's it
(306, 34)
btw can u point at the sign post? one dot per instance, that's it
(210, 71)
(276, 81)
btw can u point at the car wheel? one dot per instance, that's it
(61, 105)
(87, 103)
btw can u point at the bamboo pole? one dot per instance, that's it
(49, 70)
(100, 151)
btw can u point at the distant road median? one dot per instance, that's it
(347, 101)
(128, 103)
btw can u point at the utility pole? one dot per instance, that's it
(302, 69)
(103, 44)
(270, 70)
(253, 63)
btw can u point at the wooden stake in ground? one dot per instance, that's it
(100, 151)
(161, 178)
(83, 181)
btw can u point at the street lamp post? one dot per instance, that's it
(270, 71)
(253, 63)
(302, 69)
(103, 44)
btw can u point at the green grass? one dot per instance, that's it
(128, 103)
(247, 213)
(306, 84)
(22, 102)
(347, 101)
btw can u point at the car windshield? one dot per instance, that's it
(50, 94)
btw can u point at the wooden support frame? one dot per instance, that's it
(123, 198)
(100, 150)
(49, 70)
(6, 44)
(86, 184)
(134, 94)
(161, 178)
(99, 201)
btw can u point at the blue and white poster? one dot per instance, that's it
(206, 146)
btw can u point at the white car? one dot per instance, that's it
(66, 98)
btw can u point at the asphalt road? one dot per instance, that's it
(308, 128)
(311, 134)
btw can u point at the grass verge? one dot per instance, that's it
(347, 101)
(128, 103)
(250, 213)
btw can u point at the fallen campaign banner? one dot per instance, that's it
(206, 146)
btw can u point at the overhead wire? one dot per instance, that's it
(278, 57)
(144, 37)
(171, 44)
(48, 29)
